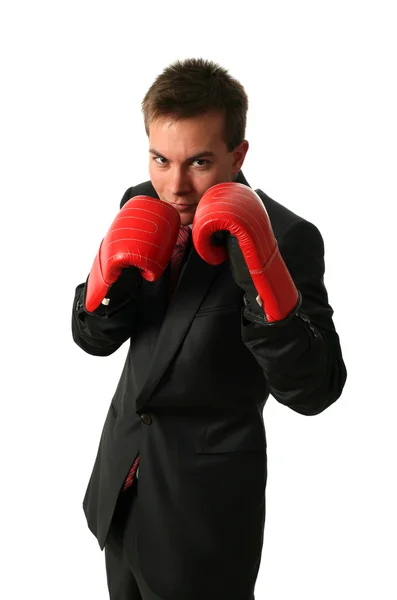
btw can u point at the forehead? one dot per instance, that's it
(188, 136)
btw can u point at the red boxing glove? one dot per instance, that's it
(236, 208)
(143, 235)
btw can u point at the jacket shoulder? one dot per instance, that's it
(142, 189)
(281, 217)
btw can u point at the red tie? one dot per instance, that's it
(131, 475)
(177, 256)
(175, 266)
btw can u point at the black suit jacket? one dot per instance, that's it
(190, 398)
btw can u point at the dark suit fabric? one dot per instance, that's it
(190, 401)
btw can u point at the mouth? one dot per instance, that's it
(184, 206)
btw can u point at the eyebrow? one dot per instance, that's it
(190, 159)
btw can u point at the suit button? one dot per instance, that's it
(146, 418)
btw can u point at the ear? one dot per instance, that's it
(239, 155)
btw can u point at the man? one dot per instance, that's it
(177, 493)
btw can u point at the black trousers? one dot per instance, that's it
(124, 576)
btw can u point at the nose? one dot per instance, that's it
(178, 182)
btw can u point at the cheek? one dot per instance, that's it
(210, 179)
(151, 171)
(155, 178)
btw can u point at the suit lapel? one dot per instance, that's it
(194, 282)
(195, 279)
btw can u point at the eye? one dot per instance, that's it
(204, 162)
(159, 158)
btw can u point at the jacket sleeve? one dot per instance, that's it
(301, 358)
(104, 330)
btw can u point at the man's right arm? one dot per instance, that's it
(138, 245)
(103, 331)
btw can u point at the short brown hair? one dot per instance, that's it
(193, 87)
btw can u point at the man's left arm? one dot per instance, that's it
(301, 356)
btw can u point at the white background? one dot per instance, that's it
(321, 80)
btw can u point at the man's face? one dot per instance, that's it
(189, 156)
